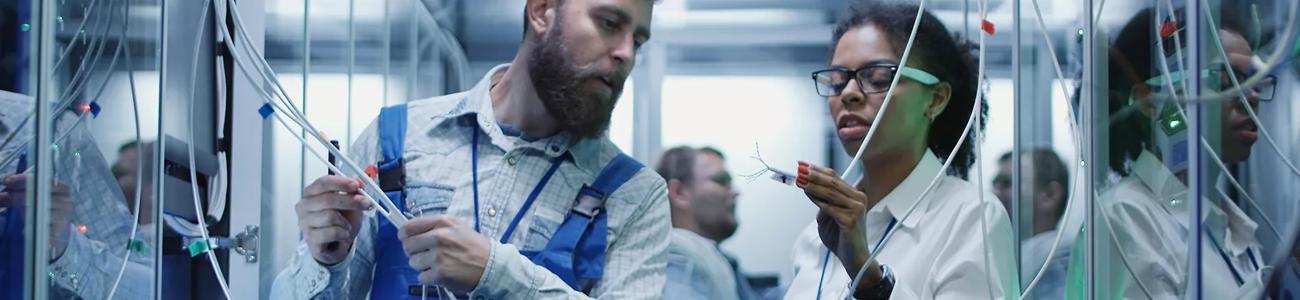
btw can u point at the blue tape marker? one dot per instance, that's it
(95, 109)
(266, 110)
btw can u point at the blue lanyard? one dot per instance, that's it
(1231, 266)
(827, 258)
(505, 238)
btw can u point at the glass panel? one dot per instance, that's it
(104, 83)
(1041, 173)
(17, 41)
(1183, 212)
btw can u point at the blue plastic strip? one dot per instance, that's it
(265, 110)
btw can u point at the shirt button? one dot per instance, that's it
(513, 158)
(492, 212)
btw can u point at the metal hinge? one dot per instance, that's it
(244, 243)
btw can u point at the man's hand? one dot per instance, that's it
(445, 252)
(15, 195)
(330, 215)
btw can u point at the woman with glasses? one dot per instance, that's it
(1148, 233)
(954, 244)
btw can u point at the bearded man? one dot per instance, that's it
(514, 189)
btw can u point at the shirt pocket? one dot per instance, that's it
(545, 222)
(428, 198)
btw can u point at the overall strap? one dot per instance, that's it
(394, 278)
(392, 141)
(12, 245)
(576, 252)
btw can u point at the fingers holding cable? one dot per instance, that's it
(445, 251)
(330, 215)
(841, 201)
(332, 184)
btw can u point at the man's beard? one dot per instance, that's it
(558, 84)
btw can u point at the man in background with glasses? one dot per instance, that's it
(703, 214)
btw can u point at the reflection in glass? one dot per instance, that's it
(1149, 210)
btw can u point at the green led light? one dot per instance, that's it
(26, 27)
(58, 19)
(1175, 123)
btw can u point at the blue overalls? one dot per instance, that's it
(11, 247)
(575, 253)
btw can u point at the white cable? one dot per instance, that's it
(93, 46)
(384, 209)
(459, 59)
(1241, 95)
(1276, 59)
(139, 169)
(379, 198)
(194, 183)
(1178, 42)
(902, 63)
(74, 85)
(1205, 144)
(78, 83)
(217, 205)
(970, 121)
(1260, 125)
(975, 148)
(1100, 6)
(80, 30)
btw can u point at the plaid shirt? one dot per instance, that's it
(91, 261)
(437, 162)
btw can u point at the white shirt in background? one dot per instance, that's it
(1150, 217)
(955, 245)
(1033, 255)
(697, 270)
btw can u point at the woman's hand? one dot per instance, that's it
(841, 208)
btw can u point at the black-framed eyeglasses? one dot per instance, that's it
(871, 79)
(1264, 89)
(722, 178)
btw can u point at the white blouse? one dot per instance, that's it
(1150, 217)
(955, 244)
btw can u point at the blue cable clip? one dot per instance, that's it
(95, 109)
(266, 110)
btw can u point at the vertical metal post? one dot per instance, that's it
(413, 51)
(158, 166)
(352, 64)
(39, 231)
(1017, 141)
(1196, 122)
(388, 51)
(306, 77)
(246, 179)
(646, 109)
(1090, 114)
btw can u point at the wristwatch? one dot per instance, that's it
(881, 290)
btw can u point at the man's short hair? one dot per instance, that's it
(559, 3)
(1049, 168)
(714, 151)
(678, 163)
